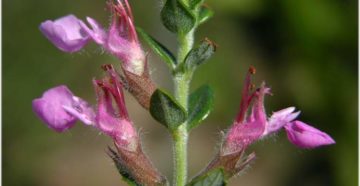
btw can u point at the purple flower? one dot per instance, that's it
(65, 33)
(70, 34)
(121, 39)
(60, 109)
(53, 106)
(248, 128)
(305, 136)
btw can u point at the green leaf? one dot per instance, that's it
(176, 17)
(160, 49)
(212, 178)
(166, 110)
(195, 3)
(121, 168)
(205, 14)
(199, 55)
(201, 103)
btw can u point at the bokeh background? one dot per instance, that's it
(305, 50)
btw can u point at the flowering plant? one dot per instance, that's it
(59, 108)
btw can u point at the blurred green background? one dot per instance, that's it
(305, 50)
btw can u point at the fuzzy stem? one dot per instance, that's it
(181, 90)
(186, 42)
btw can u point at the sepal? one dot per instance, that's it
(230, 165)
(120, 165)
(135, 168)
(140, 86)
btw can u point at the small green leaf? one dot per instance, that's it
(166, 110)
(160, 49)
(205, 14)
(199, 55)
(201, 103)
(212, 178)
(176, 17)
(121, 168)
(195, 3)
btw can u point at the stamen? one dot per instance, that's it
(107, 67)
(252, 70)
(246, 98)
(100, 83)
(132, 32)
(115, 87)
(128, 8)
(252, 86)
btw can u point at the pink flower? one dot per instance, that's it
(60, 109)
(70, 34)
(65, 33)
(121, 39)
(248, 128)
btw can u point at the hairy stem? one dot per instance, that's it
(181, 89)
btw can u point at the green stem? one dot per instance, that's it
(180, 135)
(186, 42)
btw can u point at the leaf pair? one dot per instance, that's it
(171, 114)
(195, 57)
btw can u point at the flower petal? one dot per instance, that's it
(117, 45)
(280, 118)
(65, 33)
(306, 136)
(97, 33)
(81, 110)
(49, 108)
